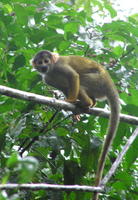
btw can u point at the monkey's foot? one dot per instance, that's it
(76, 118)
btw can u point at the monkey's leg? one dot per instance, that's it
(84, 103)
(85, 100)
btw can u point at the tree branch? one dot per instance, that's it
(119, 158)
(43, 186)
(61, 104)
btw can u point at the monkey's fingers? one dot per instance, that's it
(94, 103)
(76, 118)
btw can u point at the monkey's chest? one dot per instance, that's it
(58, 81)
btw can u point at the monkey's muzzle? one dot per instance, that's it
(41, 69)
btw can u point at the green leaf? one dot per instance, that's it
(119, 186)
(125, 178)
(62, 131)
(18, 127)
(19, 61)
(64, 45)
(64, 5)
(13, 160)
(27, 2)
(134, 18)
(112, 11)
(71, 27)
(72, 172)
(21, 14)
(118, 50)
(89, 155)
(122, 130)
(8, 8)
(36, 35)
(28, 167)
(131, 155)
(54, 20)
(3, 32)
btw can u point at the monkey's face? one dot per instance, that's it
(42, 61)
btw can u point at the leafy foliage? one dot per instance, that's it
(39, 144)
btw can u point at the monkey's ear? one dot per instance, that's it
(55, 57)
(31, 61)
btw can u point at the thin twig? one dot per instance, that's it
(43, 186)
(119, 158)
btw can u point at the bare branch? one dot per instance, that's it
(124, 118)
(43, 186)
(60, 104)
(119, 157)
(18, 94)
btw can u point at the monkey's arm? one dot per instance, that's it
(73, 82)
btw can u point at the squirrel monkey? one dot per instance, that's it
(85, 80)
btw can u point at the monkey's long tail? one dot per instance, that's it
(111, 132)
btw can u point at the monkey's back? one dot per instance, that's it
(81, 64)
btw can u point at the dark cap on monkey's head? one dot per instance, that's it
(41, 55)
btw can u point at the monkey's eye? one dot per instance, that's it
(46, 61)
(40, 62)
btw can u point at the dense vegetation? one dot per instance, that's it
(41, 144)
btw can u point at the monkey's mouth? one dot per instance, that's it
(41, 69)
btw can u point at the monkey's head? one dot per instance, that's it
(42, 61)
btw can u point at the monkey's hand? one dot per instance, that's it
(69, 100)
